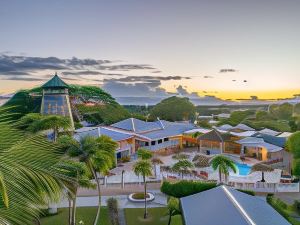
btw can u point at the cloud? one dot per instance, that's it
(12, 66)
(22, 78)
(228, 71)
(208, 77)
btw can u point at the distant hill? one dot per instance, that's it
(88, 103)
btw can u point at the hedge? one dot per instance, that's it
(281, 207)
(252, 193)
(185, 188)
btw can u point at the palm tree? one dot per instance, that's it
(143, 168)
(99, 156)
(182, 166)
(261, 167)
(30, 175)
(223, 164)
(81, 175)
(53, 122)
(173, 208)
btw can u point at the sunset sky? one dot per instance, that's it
(230, 49)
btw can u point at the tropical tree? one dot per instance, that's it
(144, 154)
(173, 208)
(182, 166)
(81, 175)
(99, 156)
(143, 168)
(49, 122)
(30, 173)
(223, 164)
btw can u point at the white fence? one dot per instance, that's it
(270, 188)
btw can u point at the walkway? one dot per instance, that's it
(159, 201)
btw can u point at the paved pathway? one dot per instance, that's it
(122, 219)
(159, 201)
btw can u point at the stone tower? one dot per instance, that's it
(55, 99)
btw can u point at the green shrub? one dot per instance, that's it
(249, 192)
(112, 205)
(185, 188)
(296, 206)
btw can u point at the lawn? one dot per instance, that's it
(85, 214)
(157, 216)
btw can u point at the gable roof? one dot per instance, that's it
(278, 141)
(227, 206)
(136, 125)
(259, 142)
(269, 132)
(153, 130)
(215, 135)
(245, 127)
(55, 82)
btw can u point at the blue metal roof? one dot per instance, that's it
(153, 130)
(278, 141)
(227, 206)
(98, 131)
(136, 125)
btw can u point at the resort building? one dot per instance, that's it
(132, 134)
(55, 99)
(215, 142)
(227, 206)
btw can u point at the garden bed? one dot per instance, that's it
(139, 197)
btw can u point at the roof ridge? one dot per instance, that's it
(238, 206)
(133, 127)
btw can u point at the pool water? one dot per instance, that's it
(243, 169)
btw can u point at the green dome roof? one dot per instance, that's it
(55, 82)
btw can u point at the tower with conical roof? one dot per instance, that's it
(55, 100)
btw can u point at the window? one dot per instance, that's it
(166, 139)
(146, 143)
(159, 141)
(152, 142)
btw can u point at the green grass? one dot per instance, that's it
(156, 216)
(86, 214)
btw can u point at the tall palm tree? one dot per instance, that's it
(81, 175)
(223, 164)
(99, 156)
(53, 122)
(30, 175)
(182, 166)
(143, 168)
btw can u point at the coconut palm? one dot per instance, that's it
(30, 175)
(223, 164)
(53, 122)
(143, 168)
(182, 166)
(81, 175)
(261, 167)
(99, 156)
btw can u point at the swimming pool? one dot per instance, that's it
(243, 169)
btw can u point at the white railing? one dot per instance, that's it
(265, 187)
